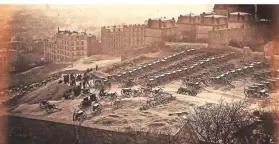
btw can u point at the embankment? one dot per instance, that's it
(31, 130)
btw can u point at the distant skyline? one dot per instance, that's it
(89, 17)
(117, 14)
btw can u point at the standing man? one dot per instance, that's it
(96, 67)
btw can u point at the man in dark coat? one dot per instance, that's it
(96, 67)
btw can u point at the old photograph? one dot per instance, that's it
(139, 74)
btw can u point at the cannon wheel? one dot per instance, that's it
(50, 109)
(98, 82)
(193, 93)
(98, 110)
(208, 82)
(144, 107)
(81, 118)
(42, 106)
(245, 93)
(122, 93)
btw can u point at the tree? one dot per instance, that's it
(231, 122)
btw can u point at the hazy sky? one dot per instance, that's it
(80, 17)
(117, 14)
(118, 10)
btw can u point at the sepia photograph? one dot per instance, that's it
(139, 73)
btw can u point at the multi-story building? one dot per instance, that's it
(117, 39)
(67, 46)
(186, 27)
(50, 50)
(224, 9)
(14, 45)
(239, 20)
(208, 23)
(196, 27)
(38, 45)
(7, 58)
(160, 30)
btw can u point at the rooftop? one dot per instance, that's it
(240, 13)
(68, 32)
(162, 19)
(264, 20)
(113, 27)
(216, 16)
(191, 15)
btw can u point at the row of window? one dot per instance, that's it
(67, 53)
(71, 43)
(64, 57)
(113, 45)
(70, 37)
(71, 48)
(126, 42)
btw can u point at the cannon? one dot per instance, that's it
(96, 108)
(87, 101)
(79, 115)
(187, 91)
(48, 106)
(126, 92)
(255, 92)
(193, 85)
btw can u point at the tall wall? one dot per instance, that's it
(93, 46)
(153, 36)
(202, 31)
(221, 38)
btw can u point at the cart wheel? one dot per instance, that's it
(83, 117)
(42, 106)
(49, 110)
(74, 117)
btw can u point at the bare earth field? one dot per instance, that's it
(166, 117)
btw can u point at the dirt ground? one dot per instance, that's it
(91, 62)
(166, 117)
(34, 74)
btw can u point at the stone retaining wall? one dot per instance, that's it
(222, 38)
(31, 130)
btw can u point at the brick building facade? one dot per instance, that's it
(196, 27)
(117, 39)
(67, 46)
(160, 30)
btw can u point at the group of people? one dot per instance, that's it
(79, 82)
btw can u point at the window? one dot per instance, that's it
(77, 43)
(77, 48)
(82, 43)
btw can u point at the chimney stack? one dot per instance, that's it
(238, 17)
(160, 23)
